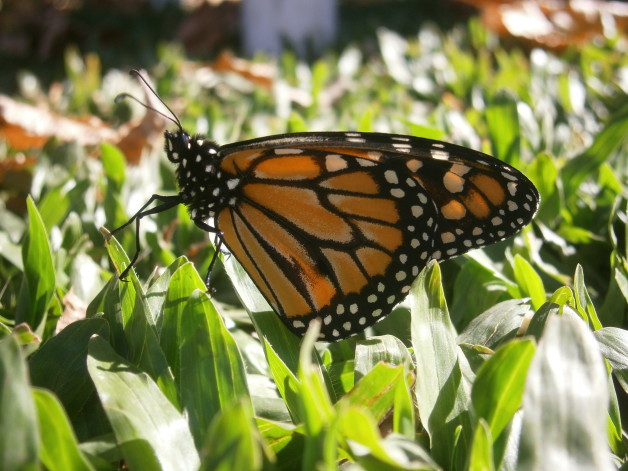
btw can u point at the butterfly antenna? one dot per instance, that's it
(123, 96)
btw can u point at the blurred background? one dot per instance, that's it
(36, 34)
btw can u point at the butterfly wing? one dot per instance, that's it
(338, 225)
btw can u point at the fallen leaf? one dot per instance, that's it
(26, 126)
(551, 24)
(260, 74)
(75, 309)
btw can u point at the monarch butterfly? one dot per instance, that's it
(336, 225)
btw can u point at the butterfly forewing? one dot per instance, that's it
(337, 225)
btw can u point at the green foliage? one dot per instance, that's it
(505, 358)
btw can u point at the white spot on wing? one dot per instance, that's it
(391, 177)
(288, 151)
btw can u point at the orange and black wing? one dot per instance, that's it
(336, 226)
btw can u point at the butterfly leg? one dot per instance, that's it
(167, 202)
(217, 244)
(212, 263)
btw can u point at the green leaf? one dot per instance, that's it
(588, 162)
(404, 421)
(315, 407)
(54, 207)
(59, 365)
(114, 165)
(482, 450)
(372, 452)
(19, 441)
(267, 323)
(39, 273)
(504, 132)
(141, 337)
(212, 375)
(117, 254)
(442, 385)
(614, 347)
(529, 281)
(376, 391)
(543, 172)
(478, 287)
(565, 402)
(285, 442)
(386, 348)
(59, 447)
(286, 381)
(173, 317)
(498, 324)
(499, 384)
(157, 292)
(151, 433)
(233, 442)
(139, 323)
(584, 305)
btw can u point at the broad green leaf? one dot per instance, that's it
(563, 296)
(565, 402)
(604, 145)
(504, 133)
(342, 376)
(114, 166)
(156, 293)
(285, 441)
(139, 324)
(54, 207)
(141, 337)
(233, 442)
(285, 344)
(113, 163)
(443, 390)
(614, 347)
(543, 171)
(499, 384)
(117, 254)
(529, 281)
(19, 436)
(59, 447)
(315, 408)
(59, 365)
(404, 421)
(372, 452)
(173, 316)
(622, 282)
(478, 286)
(286, 381)
(212, 375)
(267, 403)
(496, 325)
(39, 273)
(151, 433)
(386, 348)
(376, 390)
(482, 450)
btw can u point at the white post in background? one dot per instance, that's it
(305, 25)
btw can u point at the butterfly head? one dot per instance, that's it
(177, 145)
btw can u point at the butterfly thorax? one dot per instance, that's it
(202, 187)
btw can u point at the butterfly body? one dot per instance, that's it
(336, 226)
